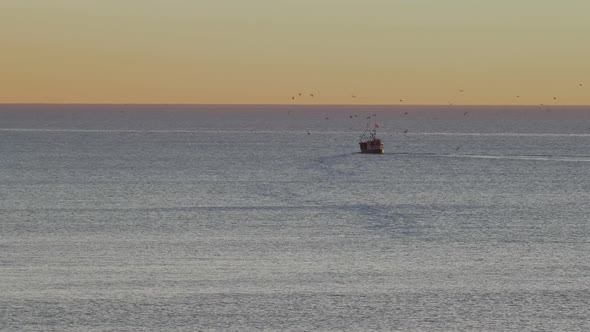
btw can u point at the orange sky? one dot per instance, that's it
(266, 51)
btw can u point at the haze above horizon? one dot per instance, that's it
(457, 52)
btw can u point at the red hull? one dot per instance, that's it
(374, 146)
(374, 151)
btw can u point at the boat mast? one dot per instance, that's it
(374, 131)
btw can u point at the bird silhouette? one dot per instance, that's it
(465, 113)
(405, 131)
(460, 90)
(405, 113)
(311, 95)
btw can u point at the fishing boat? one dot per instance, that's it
(368, 140)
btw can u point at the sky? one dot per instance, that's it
(496, 52)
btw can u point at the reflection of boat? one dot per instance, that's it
(369, 142)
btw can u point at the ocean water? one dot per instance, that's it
(237, 218)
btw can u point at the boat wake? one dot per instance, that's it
(503, 157)
(498, 134)
(534, 158)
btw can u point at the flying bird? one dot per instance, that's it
(460, 90)
(465, 113)
(311, 95)
(405, 131)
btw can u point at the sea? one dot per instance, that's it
(267, 218)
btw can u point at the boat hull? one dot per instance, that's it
(373, 147)
(373, 151)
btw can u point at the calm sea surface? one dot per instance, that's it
(157, 218)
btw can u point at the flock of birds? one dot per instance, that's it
(301, 94)
(405, 131)
(353, 96)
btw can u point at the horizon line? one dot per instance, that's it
(297, 105)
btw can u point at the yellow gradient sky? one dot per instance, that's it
(265, 51)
